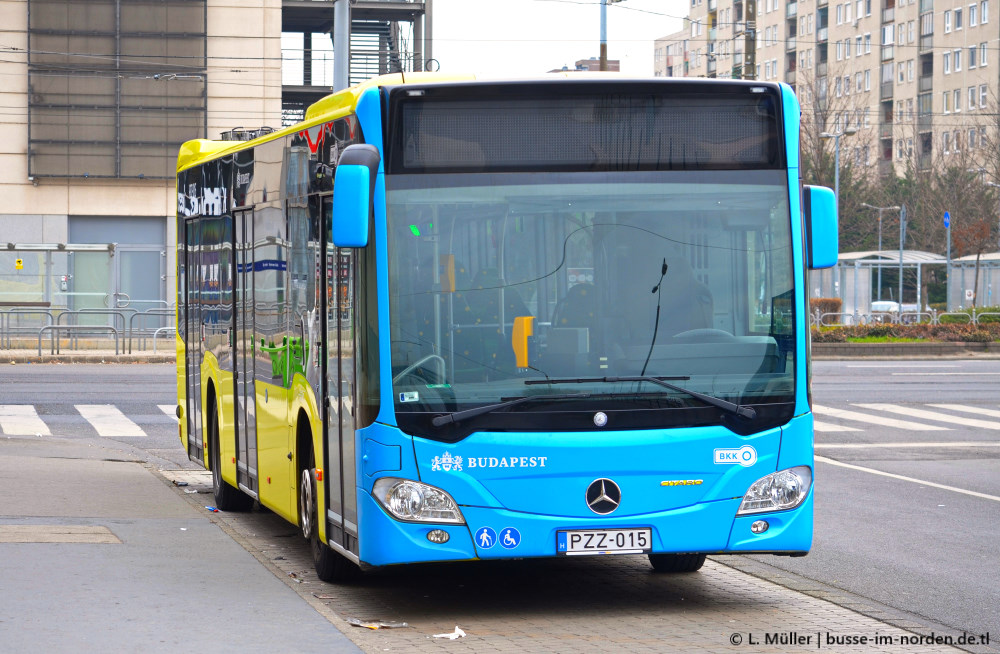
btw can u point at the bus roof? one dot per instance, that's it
(344, 102)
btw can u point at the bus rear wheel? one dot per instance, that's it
(676, 562)
(330, 566)
(227, 498)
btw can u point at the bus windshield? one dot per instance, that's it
(509, 285)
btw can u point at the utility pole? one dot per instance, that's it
(750, 41)
(341, 44)
(880, 210)
(604, 32)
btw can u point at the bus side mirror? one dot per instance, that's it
(353, 193)
(819, 208)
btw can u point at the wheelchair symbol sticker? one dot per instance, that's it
(510, 538)
(486, 538)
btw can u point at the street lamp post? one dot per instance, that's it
(836, 158)
(996, 186)
(604, 32)
(880, 210)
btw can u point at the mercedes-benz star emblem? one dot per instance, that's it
(603, 496)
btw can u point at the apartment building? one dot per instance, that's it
(906, 81)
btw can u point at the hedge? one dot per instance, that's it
(953, 333)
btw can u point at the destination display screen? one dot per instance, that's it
(584, 126)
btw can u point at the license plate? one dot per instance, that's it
(604, 541)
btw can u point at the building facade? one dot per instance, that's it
(906, 81)
(97, 97)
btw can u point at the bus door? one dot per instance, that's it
(194, 350)
(243, 363)
(339, 410)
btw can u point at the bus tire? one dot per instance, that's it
(227, 498)
(330, 566)
(676, 562)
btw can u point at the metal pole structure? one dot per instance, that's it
(604, 35)
(341, 44)
(880, 210)
(429, 35)
(836, 160)
(947, 290)
(902, 239)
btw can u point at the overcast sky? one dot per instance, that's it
(535, 36)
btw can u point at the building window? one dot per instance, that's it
(133, 123)
(972, 138)
(910, 26)
(982, 54)
(847, 48)
(868, 80)
(858, 45)
(972, 98)
(840, 14)
(958, 100)
(984, 12)
(958, 26)
(868, 43)
(972, 15)
(947, 63)
(840, 50)
(901, 72)
(909, 70)
(958, 60)
(899, 149)
(946, 142)
(857, 82)
(947, 21)
(945, 99)
(982, 95)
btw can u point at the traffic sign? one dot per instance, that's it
(947, 220)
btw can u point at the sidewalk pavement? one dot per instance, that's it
(99, 554)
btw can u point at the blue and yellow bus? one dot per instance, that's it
(454, 319)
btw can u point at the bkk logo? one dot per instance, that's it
(746, 456)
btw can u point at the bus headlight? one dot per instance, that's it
(779, 491)
(412, 501)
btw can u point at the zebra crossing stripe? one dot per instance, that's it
(932, 415)
(107, 420)
(874, 419)
(169, 409)
(21, 420)
(913, 444)
(922, 482)
(819, 425)
(968, 409)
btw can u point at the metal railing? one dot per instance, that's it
(933, 317)
(20, 327)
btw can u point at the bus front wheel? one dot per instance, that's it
(676, 562)
(330, 566)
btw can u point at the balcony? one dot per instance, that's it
(712, 4)
(790, 77)
(926, 43)
(925, 122)
(822, 3)
(888, 15)
(790, 44)
(885, 167)
(791, 10)
(711, 64)
(885, 131)
(821, 69)
(924, 161)
(926, 5)
(822, 34)
(886, 52)
(712, 34)
(886, 91)
(925, 84)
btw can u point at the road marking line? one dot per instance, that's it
(819, 425)
(968, 409)
(932, 415)
(108, 420)
(861, 446)
(911, 479)
(875, 420)
(928, 374)
(21, 420)
(169, 409)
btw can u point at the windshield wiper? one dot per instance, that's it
(458, 416)
(745, 411)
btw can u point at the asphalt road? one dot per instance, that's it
(904, 540)
(907, 495)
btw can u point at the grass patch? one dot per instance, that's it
(883, 339)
